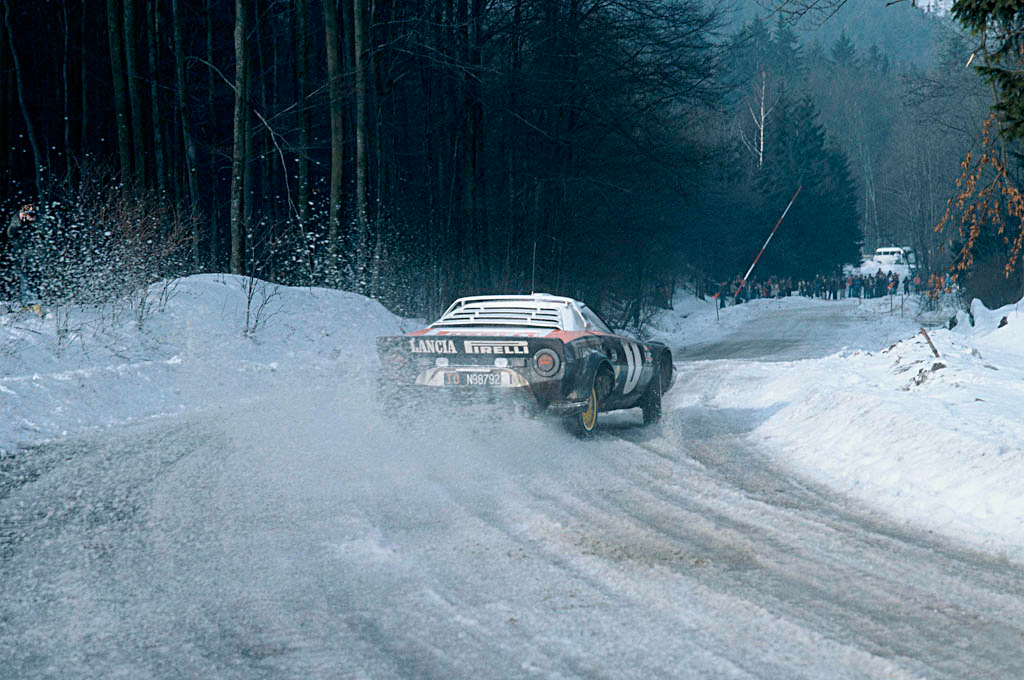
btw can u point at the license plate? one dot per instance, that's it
(472, 379)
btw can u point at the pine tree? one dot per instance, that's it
(749, 53)
(1000, 28)
(877, 61)
(844, 53)
(786, 56)
(821, 231)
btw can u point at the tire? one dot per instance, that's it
(583, 424)
(650, 403)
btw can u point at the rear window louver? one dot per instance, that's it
(476, 314)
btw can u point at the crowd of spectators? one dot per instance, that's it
(832, 287)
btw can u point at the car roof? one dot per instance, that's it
(538, 310)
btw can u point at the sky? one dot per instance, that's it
(862, 406)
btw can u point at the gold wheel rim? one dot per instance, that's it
(589, 417)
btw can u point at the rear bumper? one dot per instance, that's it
(430, 392)
(507, 377)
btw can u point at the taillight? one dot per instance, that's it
(546, 363)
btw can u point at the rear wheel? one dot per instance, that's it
(650, 403)
(584, 423)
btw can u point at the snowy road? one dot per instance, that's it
(302, 536)
(787, 335)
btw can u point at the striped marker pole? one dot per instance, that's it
(754, 263)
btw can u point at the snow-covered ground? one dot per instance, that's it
(868, 410)
(874, 414)
(86, 368)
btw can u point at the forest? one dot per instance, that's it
(418, 150)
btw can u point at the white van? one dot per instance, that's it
(890, 259)
(891, 255)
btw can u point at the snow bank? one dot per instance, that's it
(87, 367)
(936, 441)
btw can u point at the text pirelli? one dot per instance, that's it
(447, 346)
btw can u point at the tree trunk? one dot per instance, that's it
(305, 121)
(513, 240)
(66, 89)
(362, 142)
(334, 79)
(133, 78)
(160, 165)
(472, 130)
(268, 87)
(84, 82)
(191, 170)
(211, 92)
(19, 85)
(6, 106)
(444, 171)
(115, 35)
(464, 232)
(250, 256)
(239, 154)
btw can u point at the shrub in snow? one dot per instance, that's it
(96, 240)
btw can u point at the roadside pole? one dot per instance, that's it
(754, 263)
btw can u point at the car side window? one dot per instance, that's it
(593, 321)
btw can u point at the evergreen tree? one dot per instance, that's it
(1000, 27)
(821, 231)
(748, 54)
(786, 57)
(877, 61)
(844, 52)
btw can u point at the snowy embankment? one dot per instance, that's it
(935, 441)
(938, 442)
(91, 367)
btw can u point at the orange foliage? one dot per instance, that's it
(985, 195)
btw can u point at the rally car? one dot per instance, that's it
(549, 352)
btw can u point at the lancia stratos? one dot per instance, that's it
(552, 354)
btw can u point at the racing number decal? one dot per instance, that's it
(634, 366)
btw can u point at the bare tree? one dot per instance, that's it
(65, 27)
(462, 131)
(240, 130)
(6, 104)
(304, 118)
(159, 162)
(115, 35)
(332, 34)
(759, 107)
(822, 10)
(211, 108)
(36, 153)
(185, 115)
(134, 79)
(84, 79)
(470, 29)
(359, 49)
